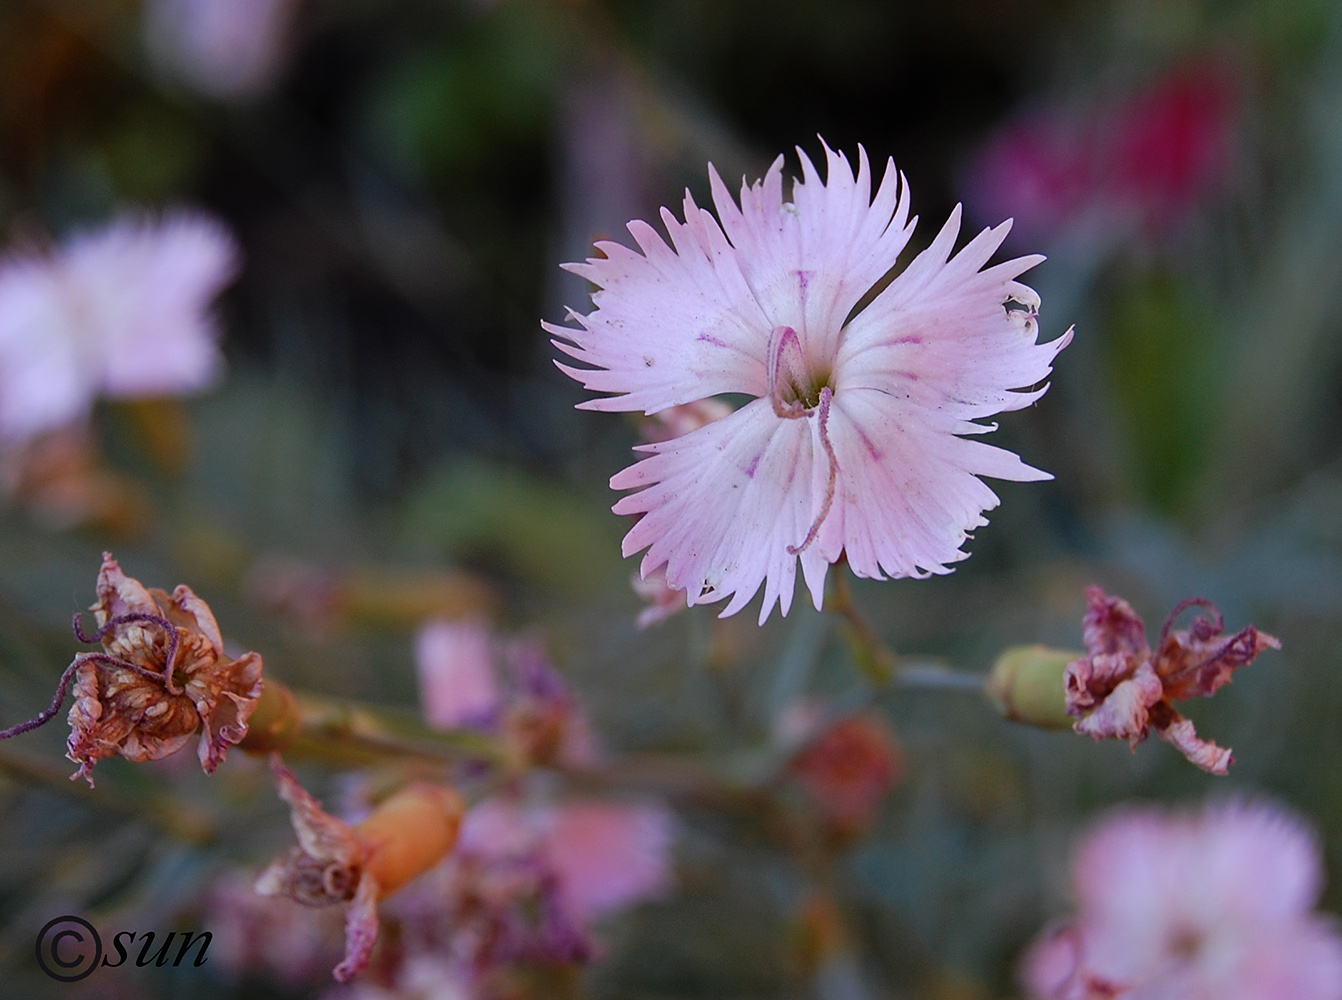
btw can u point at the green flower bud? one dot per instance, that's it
(1026, 685)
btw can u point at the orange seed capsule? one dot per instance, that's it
(409, 833)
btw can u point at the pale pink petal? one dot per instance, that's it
(1266, 860)
(122, 311)
(149, 284)
(1298, 961)
(1181, 735)
(497, 829)
(721, 506)
(942, 337)
(360, 930)
(1215, 906)
(609, 856)
(671, 326)
(678, 420)
(1049, 967)
(810, 261)
(456, 673)
(44, 380)
(119, 594)
(661, 600)
(1124, 713)
(903, 504)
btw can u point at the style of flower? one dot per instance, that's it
(335, 863)
(161, 678)
(1216, 905)
(528, 705)
(120, 312)
(855, 441)
(1122, 689)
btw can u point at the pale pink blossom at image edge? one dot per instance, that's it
(1210, 906)
(855, 443)
(122, 311)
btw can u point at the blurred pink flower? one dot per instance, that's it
(226, 49)
(121, 312)
(254, 932)
(532, 709)
(605, 856)
(855, 441)
(660, 599)
(849, 768)
(608, 857)
(1145, 160)
(1122, 689)
(456, 673)
(1210, 906)
(678, 421)
(522, 890)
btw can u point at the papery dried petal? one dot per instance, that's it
(1123, 714)
(360, 931)
(1111, 625)
(161, 678)
(1122, 690)
(320, 835)
(1180, 734)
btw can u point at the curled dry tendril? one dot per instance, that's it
(105, 660)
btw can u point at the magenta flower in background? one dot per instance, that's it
(1217, 905)
(854, 443)
(122, 312)
(1146, 160)
(226, 49)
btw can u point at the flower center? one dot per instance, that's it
(794, 389)
(797, 392)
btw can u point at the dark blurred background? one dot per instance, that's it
(404, 179)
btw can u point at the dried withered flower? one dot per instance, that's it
(850, 770)
(1122, 689)
(335, 863)
(161, 678)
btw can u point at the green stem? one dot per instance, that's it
(874, 658)
(348, 732)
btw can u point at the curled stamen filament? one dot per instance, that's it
(168, 627)
(826, 396)
(63, 688)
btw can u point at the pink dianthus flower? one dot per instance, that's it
(854, 443)
(1213, 906)
(121, 312)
